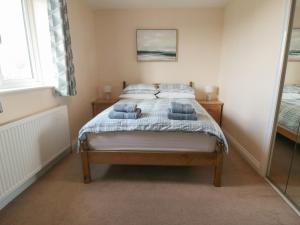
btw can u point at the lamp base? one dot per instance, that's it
(107, 96)
(208, 97)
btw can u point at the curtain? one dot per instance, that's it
(61, 48)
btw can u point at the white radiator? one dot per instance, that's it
(28, 145)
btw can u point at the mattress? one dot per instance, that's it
(289, 112)
(154, 118)
(152, 141)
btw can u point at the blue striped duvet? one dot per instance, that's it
(154, 118)
(289, 112)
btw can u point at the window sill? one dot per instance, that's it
(24, 89)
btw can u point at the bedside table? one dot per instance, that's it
(214, 108)
(100, 104)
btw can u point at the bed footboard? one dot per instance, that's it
(214, 159)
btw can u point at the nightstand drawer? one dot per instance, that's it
(214, 108)
(215, 113)
(99, 108)
(100, 104)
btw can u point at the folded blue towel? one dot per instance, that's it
(125, 107)
(124, 115)
(177, 107)
(181, 116)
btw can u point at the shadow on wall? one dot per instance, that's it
(242, 136)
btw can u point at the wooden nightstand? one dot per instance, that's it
(100, 104)
(214, 108)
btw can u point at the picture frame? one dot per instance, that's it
(157, 45)
(294, 51)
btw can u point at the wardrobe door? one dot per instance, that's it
(284, 167)
(293, 187)
(281, 160)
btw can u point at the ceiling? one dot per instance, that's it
(138, 4)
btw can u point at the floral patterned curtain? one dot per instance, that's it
(61, 47)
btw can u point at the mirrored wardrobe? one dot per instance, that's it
(284, 167)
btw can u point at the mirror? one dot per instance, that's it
(293, 185)
(284, 168)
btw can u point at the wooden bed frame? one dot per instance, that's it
(288, 134)
(155, 158)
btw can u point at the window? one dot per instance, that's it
(25, 47)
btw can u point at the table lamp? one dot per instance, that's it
(209, 91)
(107, 89)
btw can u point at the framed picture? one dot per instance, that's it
(294, 52)
(156, 45)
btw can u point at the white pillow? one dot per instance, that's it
(290, 96)
(175, 95)
(137, 96)
(180, 88)
(140, 89)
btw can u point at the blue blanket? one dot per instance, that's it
(181, 116)
(181, 108)
(125, 115)
(155, 118)
(125, 107)
(289, 113)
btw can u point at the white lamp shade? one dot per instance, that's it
(107, 89)
(209, 89)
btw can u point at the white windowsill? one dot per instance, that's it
(24, 89)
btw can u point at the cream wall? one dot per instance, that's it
(249, 69)
(199, 46)
(82, 22)
(297, 17)
(293, 69)
(21, 104)
(293, 73)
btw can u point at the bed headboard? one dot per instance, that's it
(125, 84)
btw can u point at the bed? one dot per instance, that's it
(289, 113)
(153, 139)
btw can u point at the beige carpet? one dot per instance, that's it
(131, 195)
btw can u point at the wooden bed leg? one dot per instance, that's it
(85, 164)
(218, 169)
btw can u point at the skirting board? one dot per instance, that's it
(35, 177)
(244, 152)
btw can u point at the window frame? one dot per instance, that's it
(33, 51)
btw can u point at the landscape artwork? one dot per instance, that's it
(294, 53)
(156, 45)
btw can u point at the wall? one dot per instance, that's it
(21, 104)
(297, 16)
(199, 46)
(249, 70)
(293, 73)
(293, 69)
(82, 22)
